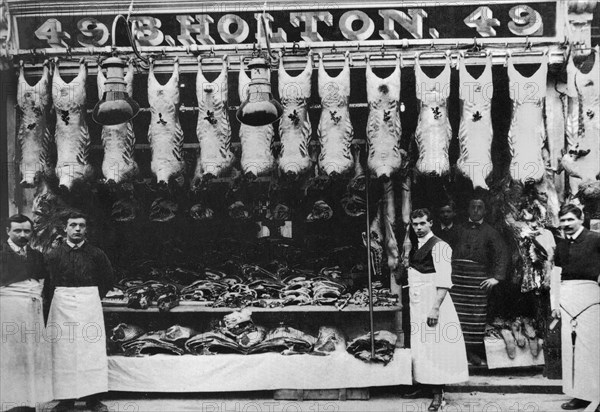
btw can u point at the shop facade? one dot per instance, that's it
(199, 223)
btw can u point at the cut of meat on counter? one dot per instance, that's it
(257, 158)
(34, 138)
(165, 134)
(71, 134)
(118, 140)
(294, 127)
(335, 129)
(213, 128)
(383, 126)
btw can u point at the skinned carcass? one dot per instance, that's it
(383, 125)
(118, 140)
(335, 129)
(165, 134)
(33, 135)
(71, 134)
(294, 127)
(213, 129)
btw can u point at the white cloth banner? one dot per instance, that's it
(266, 371)
(76, 328)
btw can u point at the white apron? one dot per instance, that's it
(76, 329)
(438, 353)
(25, 354)
(575, 296)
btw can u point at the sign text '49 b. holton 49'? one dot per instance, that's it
(333, 24)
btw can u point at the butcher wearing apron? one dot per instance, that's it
(437, 346)
(25, 362)
(79, 275)
(578, 257)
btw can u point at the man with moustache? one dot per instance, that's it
(25, 362)
(79, 275)
(576, 300)
(437, 345)
(479, 262)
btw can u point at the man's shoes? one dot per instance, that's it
(436, 403)
(474, 359)
(64, 406)
(96, 406)
(574, 403)
(419, 392)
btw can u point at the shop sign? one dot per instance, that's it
(329, 23)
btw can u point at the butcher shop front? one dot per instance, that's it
(250, 170)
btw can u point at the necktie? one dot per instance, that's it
(571, 239)
(22, 252)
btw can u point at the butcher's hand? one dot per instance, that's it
(432, 318)
(556, 313)
(488, 283)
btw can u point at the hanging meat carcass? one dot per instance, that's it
(294, 127)
(383, 125)
(582, 160)
(527, 133)
(213, 129)
(118, 164)
(433, 133)
(33, 135)
(335, 129)
(71, 134)
(476, 133)
(165, 134)
(257, 158)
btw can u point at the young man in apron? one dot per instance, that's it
(25, 362)
(79, 275)
(438, 349)
(576, 300)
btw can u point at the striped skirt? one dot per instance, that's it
(469, 300)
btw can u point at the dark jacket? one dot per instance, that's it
(579, 259)
(86, 266)
(450, 236)
(16, 268)
(482, 244)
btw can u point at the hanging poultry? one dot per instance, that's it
(213, 129)
(33, 135)
(71, 135)
(165, 133)
(335, 129)
(294, 127)
(118, 164)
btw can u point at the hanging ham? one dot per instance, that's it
(383, 125)
(71, 134)
(294, 126)
(335, 129)
(257, 158)
(118, 164)
(433, 131)
(476, 133)
(527, 134)
(165, 134)
(213, 129)
(33, 135)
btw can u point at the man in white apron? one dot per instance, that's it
(79, 275)
(576, 300)
(25, 362)
(438, 350)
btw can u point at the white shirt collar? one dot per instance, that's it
(75, 245)
(16, 248)
(447, 227)
(576, 234)
(422, 240)
(476, 221)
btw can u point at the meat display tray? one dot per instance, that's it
(200, 307)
